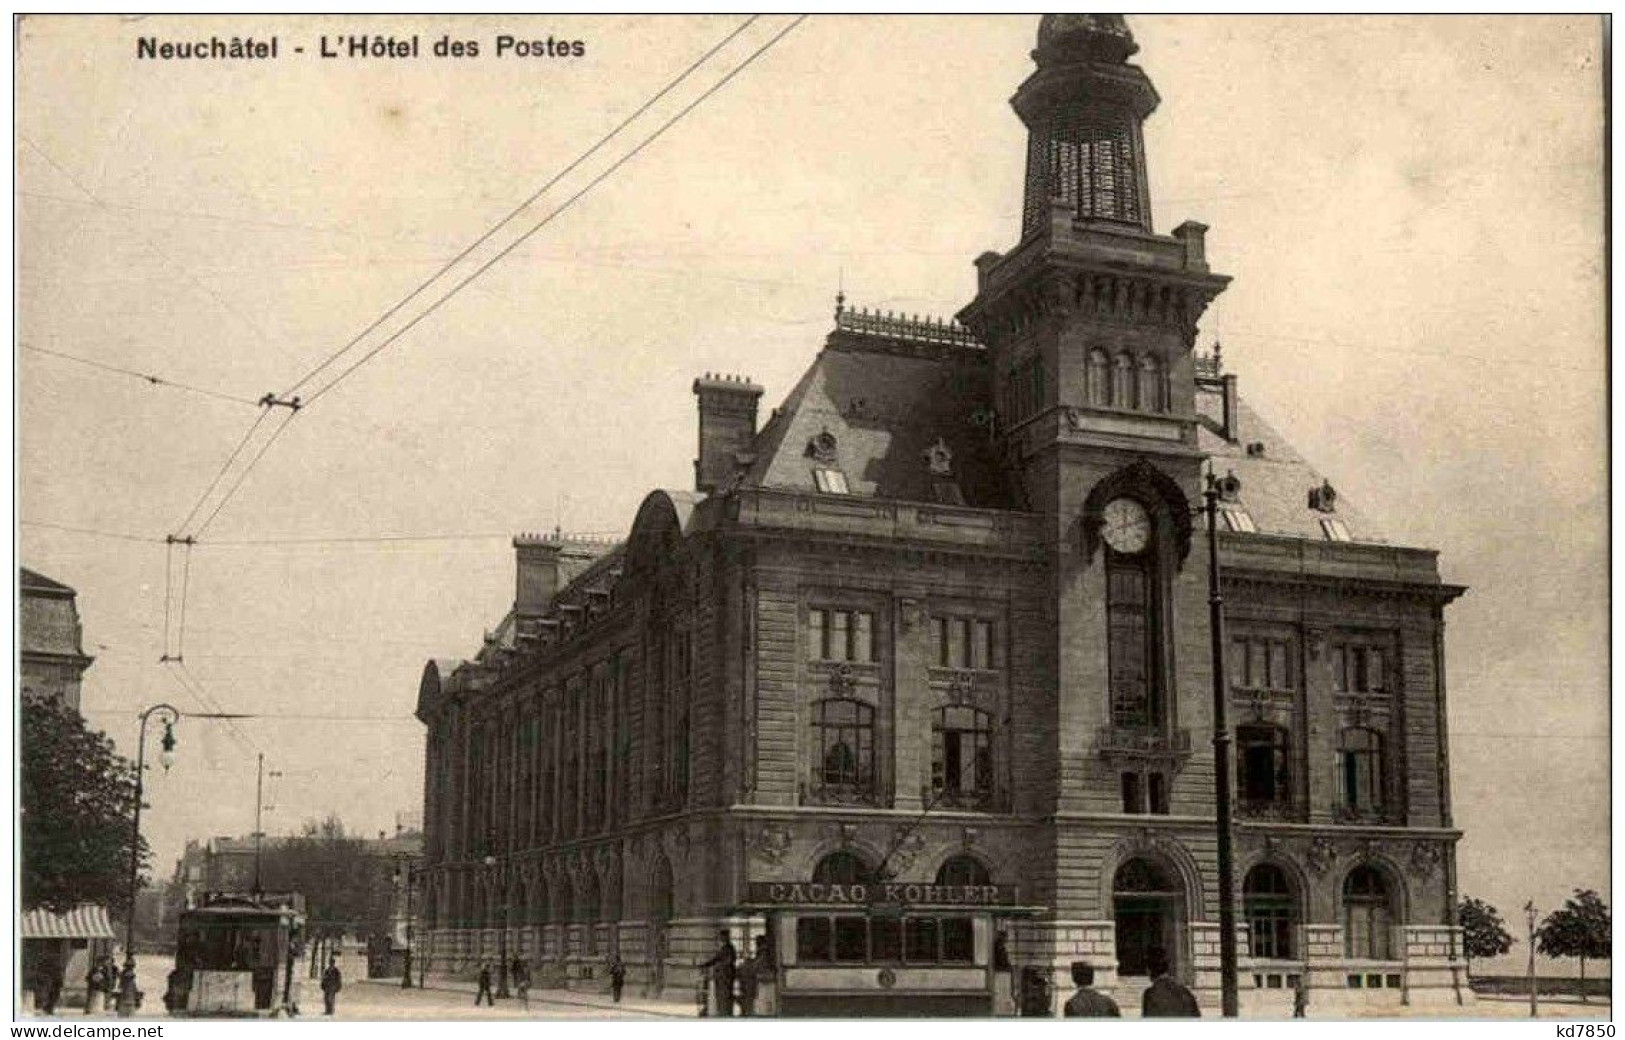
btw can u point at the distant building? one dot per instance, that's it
(927, 657)
(52, 659)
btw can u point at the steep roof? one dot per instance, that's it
(1275, 479)
(35, 581)
(886, 398)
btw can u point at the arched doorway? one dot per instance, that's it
(1368, 915)
(1149, 910)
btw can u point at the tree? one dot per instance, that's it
(347, 889)
(77, 809)
(1483, 933)
(1582, 928)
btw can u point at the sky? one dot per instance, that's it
(1411, 209)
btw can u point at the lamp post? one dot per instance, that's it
(1221, 761)
(502, 926)
(170, 716)
(406, 962)
(1529, 913)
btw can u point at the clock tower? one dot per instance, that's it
(1089, 323)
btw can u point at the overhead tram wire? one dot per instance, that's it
(145, 377)
(238, 450)
(499, 225)
(91, 531)
(242, 475)
(516, 243)
(487, 265)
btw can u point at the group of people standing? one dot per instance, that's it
(733, 979)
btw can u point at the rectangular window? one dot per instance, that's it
(840, 635)
(830, 481)
(956, 643)
(1359, 669)
(813, 940)
(862, 647)
(958, 940)
(1158, 785)
(817, 635)
(851, 938)
(985, 655)
(1132, 802)
(921, 933)
(1261, 664)
(885, 939)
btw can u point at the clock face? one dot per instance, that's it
(1125, 525)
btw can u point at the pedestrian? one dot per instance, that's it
(521, 981)
(1088, 1002)
(617, 976)
(1300, 997)
(749, 973)
(95, 986)
(1165, 997)
(109, 982)
(49, 988)
(485, 988)
(332, 982)
(721, 965)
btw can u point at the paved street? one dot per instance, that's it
(368, 1000)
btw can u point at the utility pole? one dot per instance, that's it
(1534, 1003)
(1221, 762)
(259, 809)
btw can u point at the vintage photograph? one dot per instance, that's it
(644, 517)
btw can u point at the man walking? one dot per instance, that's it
(485, 988)
(617, 977)
(1300, 998)
(1088, 1002)
(749, 972)
(332, 982)
(1166, 998)
(721, 966)
(521, 981)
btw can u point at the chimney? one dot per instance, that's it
(544, 565)
(1194, 237)
(727, 427)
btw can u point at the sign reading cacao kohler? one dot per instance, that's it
(905, 893)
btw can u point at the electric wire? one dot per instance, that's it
(516, 243)
(94, 532)
(145, 377)
(186, 574)
(223, 468)
(499, 225)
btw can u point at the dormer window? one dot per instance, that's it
(1334, 529)
(830, 481)
(1237, 518)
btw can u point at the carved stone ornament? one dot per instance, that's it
(961, 687)
(968, 838)
(1316, 638)
(1321, 856)
(848, 834)
(908, 848)
(1426, 857)
(772, 843)
(841, 680)
(939, 459)
(822, 447)
(1259, 703)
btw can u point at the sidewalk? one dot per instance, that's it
(669, 1006)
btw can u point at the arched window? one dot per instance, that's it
(1262, 765)
(1368, 915)
(963, 870)
(1099, 378)
(1361, 769)
(1150, 396)
(841, 868)
(1271, 912)
(1123, 381)
(844, 740)
(962, 756)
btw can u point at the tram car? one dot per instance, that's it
(236, 955)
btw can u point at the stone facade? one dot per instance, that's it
(50, 652)
(945, 616)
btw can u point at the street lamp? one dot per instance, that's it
(406, 966)
(1228, 996)
(502, 933)
(166, 757)
(1529, 912)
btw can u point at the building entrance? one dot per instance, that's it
(1149, 911)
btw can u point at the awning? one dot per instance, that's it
(82, 922)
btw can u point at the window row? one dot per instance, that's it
(1264, 765)
(1123, 380)
(1267, 663)
(849, 636)
(1272, 913)
(964, 642)
(911, 939)
(962, 754)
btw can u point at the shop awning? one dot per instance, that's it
(82, 922)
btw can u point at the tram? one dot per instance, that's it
(236, 955)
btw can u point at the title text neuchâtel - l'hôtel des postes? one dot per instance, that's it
(266, 48)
